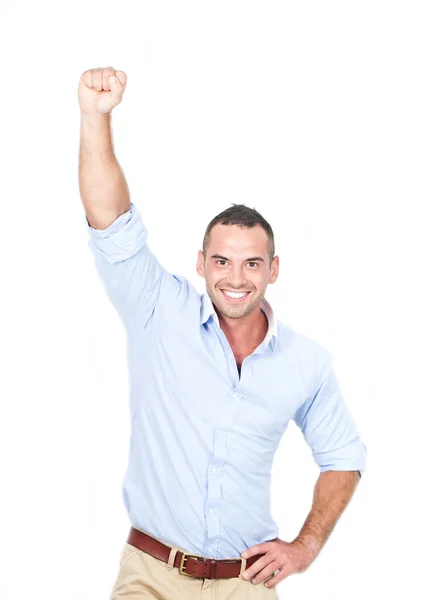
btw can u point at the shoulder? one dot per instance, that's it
(304, 348)
(180, 302)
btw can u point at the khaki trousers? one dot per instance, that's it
(142, 576)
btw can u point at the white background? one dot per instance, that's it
(313, 113)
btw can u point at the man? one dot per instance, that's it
(215, 380)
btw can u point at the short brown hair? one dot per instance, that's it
(240, 214)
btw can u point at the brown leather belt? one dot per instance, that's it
(188, 564)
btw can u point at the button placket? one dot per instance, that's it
(215, 467)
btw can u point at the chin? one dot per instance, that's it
(231, 314)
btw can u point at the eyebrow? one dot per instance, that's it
(246, 260)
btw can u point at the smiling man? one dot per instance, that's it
(238, 263)
(215, 380)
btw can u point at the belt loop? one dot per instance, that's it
(172, 557)
(243, 567)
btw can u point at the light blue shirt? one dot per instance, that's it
(202, 437)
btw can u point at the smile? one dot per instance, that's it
(234, 296)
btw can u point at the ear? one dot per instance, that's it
(275, 267)
(200, 264)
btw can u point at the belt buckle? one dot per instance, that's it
(182, 565)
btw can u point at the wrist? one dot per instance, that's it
(95, 116)
(308, 546)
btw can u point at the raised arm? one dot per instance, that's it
(103, 187)
(136, 283)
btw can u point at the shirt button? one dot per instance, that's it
(210, 550)
(214, 470)
(221, 434)
(212, 510)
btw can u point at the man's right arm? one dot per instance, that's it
(133, 278)
(103, 187)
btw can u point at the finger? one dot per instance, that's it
(277, 577)
(97, 79)
(266, 572)
(122, 78)
(256, 567)
(87, 78)
(116, 90)
(258, 549)
(106, 74)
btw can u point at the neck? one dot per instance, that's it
(247, 331)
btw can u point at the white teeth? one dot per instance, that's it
(234, 294)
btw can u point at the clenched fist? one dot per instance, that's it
(100, 90)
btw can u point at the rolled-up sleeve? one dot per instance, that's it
(133, 278)
(122, 239)
(328, 426)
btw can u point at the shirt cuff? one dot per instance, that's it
(122, 239)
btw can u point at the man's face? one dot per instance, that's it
(237, 260)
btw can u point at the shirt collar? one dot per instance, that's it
(207, 310)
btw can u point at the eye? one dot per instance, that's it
(221, 261)
(253, 263)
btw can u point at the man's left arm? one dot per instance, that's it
(330, 431)
(332, 493)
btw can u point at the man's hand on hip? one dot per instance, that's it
(289, 558)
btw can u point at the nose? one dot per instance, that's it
(237, 278)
